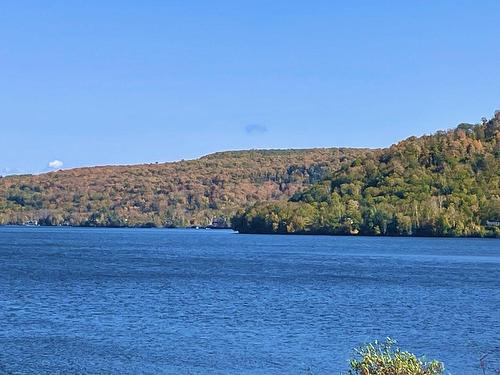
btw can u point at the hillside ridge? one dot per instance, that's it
(182, 193)
(271, 191)
(444, 184)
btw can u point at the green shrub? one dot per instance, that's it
(387, 359)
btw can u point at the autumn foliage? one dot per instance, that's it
(172, 194)
(445, 184)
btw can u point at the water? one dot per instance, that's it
(131, 301)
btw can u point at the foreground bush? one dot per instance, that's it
(387, 359)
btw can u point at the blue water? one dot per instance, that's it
(130, 301)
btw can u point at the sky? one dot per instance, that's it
(92, 82)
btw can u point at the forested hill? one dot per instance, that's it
(183, 193)
(445, 184)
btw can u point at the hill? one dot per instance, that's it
(184, 193)
(445, 184)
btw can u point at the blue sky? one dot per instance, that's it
(123, 82)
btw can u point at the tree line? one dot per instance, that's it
(445, 184)
(195, 192)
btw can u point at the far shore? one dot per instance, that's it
(305, 234)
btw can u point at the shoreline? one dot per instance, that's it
(249, 233)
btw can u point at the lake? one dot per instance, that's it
(176, 301)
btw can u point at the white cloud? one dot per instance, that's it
(55, 164)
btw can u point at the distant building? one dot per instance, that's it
(219, 222)
(493, 223)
